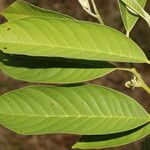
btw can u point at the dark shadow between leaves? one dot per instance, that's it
(97, 138)
(50, 62)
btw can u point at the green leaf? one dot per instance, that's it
(136, 8)
(67, 38)
(22, 9)
(113, 140)
(129, 18)
(84, 110)
(52, 70)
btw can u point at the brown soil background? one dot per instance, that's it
(116, 80)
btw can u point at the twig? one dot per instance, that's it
(98, 16)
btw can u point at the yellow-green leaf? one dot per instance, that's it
(85, 109)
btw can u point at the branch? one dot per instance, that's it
(98, 16)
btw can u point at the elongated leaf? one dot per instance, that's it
(129, 18)
(86, 109)
(52, 70)
(113, 140)
(22, 9)
(135, 7)
(69, 39)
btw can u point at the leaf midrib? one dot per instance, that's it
(76, 116)
(70, 48)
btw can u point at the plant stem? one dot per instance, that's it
(138, 76)
(98, 16)
(147, 18)
(128, 33)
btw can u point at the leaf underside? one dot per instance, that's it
(38, 45)
(113, 140)
(52, 70)
(47, 70)
(84, 110)
(62, 38)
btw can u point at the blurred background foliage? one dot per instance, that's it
(110, 12)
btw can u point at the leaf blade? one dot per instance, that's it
(110, 142)
(22, 9)
(61, 38)
(129, 19)
(135, 6)
(44, 109)
(52, 70)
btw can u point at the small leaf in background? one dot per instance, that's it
(136, 7)
(84, 110)
(22, 9)
(129, 18)
(52, 70)
(113, 140)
